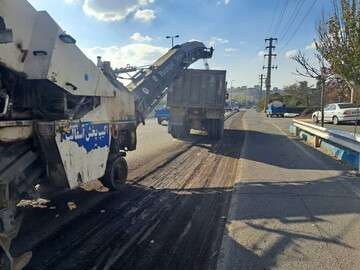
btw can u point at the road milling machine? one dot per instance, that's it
(64, 120)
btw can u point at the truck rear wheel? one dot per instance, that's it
(116, 173)
(215, 129)
(180, 131)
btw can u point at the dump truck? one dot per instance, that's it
(64, 120)
(196, 100)
(276, 108)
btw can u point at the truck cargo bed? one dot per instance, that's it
(198, 89)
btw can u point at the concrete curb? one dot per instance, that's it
(339, 152)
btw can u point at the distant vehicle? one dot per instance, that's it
(275, 108)
(290, 115)
(232, 107)
(162, 114)
(227, 106)
(235, 108)
(337, 113)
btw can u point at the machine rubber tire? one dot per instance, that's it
(159, 121)
(115, 174)
(335, 120)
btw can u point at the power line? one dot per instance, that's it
(299, 25)
(281, 16)
(294, 15)
(270, 30)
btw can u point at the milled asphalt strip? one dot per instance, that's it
(167, 161)
(299, 146)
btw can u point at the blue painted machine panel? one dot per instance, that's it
(88, 135)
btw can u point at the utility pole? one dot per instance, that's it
(269, 66)
(261, 82)
(261, 78)
(231, 94)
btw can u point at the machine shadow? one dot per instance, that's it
(204, 208)
(169, 213)
(165, 214)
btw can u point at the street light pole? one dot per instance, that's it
(172, 39)
(322, 101)
(231, 96)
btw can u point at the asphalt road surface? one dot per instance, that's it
(257, 199)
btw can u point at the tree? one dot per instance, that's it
(308, 69)
(339, 43)
(337, 91)
(301, 95)
(319, 72)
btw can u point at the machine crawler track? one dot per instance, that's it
(21, 169)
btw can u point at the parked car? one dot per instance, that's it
(235, 108)
(337, 113)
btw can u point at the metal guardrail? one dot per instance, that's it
(342, 138)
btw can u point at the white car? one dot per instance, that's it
(338, 112)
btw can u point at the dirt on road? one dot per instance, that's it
(172, 217)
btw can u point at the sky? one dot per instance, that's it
(133, 31)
